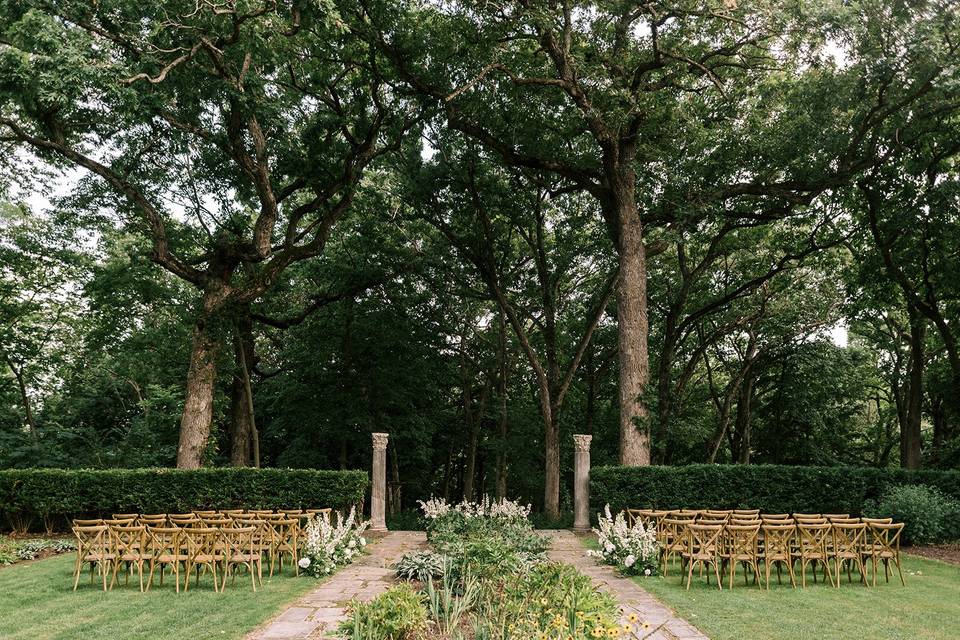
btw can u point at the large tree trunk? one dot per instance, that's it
(198, 403)
(24, 398)
(240, 453)
(632, 326)
(910, 437)
(501, 480)
(551, 451)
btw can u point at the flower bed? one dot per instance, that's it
(12, 551)
(327, 546)
(487, 578)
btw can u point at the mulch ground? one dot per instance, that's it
(946, 552)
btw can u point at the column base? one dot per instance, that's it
(581, 529)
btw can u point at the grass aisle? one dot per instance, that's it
(37, 603)
(928, 607)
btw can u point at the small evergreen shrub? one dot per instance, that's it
(928, 515)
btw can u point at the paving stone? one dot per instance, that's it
(318, 613)
(663, 622)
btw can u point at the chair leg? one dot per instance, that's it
(716, 572)
(76, 573)
(896, 560)
(689, 573)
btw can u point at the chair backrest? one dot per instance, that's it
(843, 520)
(709, 518)
(744, 520)
(239, 540)
(807, 516)
(848, 538)
(746, 512)
(810, 520)
(672, 529)
(217, 522)
(260, 511)
(704, 539)
(182, 519)
(152, 521)
(886, 536)
(836, 516)
(92, 540)
(813, 537)
(95, 522)
(718, 512)
(125, 516)
(778, 540)
(200, 541)
(741, 539)
(164, 541)
(127, 540)
(205, 513)
(876, 520)
(690, 513)
(230, 513)
(632, 515)
(775, 516)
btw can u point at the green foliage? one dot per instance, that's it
(771, 488)
(420, 565)
(928, 515)
(70, 493)
(395, 615)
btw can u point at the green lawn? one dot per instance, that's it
(928, 607)
(36, 602)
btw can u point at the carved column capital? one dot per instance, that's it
(582, 442)
(380, 441)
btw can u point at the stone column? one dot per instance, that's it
(581, 483)
(378, 488)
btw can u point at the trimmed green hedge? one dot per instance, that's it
(26, 494)
(770, 488)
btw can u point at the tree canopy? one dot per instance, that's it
(703, 231)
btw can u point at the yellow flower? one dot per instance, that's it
(597, 632)
(613, 632)
(634, 618)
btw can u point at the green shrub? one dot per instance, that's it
(27, 494)
(928, 515)
(419, 565)
(771, 488)
(394, 615)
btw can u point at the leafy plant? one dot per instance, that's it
(449, 604)
(394, 615)
(420, 565)
(928, 515)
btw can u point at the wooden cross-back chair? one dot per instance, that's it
(813, 549)
(671, 538)
(778, 550)
(741, 544)
(129, 545)
(203, 552)
(93, 548)
(166, 550)
(885, 547)
(848, 548)
(242, 549)
(286, 542)
(702, 549)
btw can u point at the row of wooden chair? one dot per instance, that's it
(723, 540)
(195, 541)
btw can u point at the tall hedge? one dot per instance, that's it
(770, 488)
(26, 494)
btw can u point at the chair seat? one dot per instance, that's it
(245, 557)
(134, 557)
(99, 557)
(171, 557)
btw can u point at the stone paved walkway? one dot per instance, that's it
(664, 623)
(319, 612)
